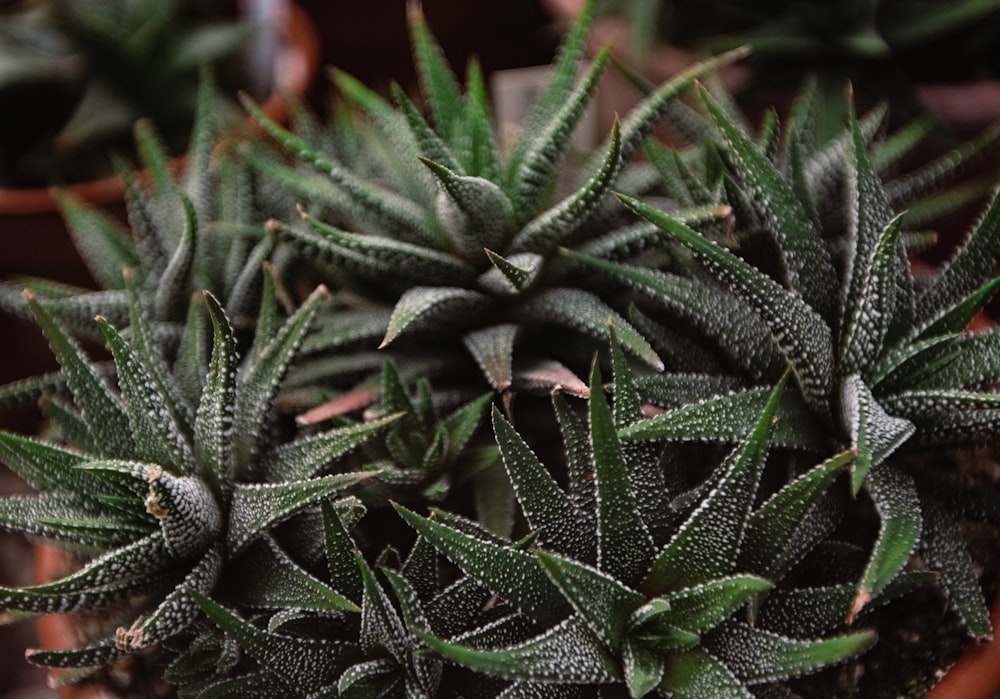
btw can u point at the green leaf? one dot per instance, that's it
(309, 456)
(377, 258)
(102, 243)
(425, 307)
(258, 382)
(717, 313)
(970, 268)
(44, 466)
(567, 653)
(383, 204)
(875, 434)
(643, 668)
(173, 289)
(547, 508)
(381, 627)
(158, 437)
(437, 82)
(487, 215)
(308, 663)
(957, 317)
(695, 609)
(214, 421)
(641, 120)
(272, 580)
(730, 418)
(871, 301)
(541, 157)
(107, 421)
(484, 155)
(560, 222)
(624, 546)
(773, 524)
(603, 603)
(517, 273)
(586, 313)
(345, 575)
(255, 507)
(806, 260)
(707, 545)
(945, 551)
(515, 575)
(695, 674)
(804, 338)
(756, 656)
(901, 521)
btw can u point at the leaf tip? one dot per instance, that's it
(862, 598)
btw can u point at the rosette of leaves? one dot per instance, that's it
(168, 486)
(882, 360)
(450, 245)
(191, 231)
(368, 649)
(625, 586)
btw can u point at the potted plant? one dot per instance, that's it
(926, 59)
(94, 68)
(676, 530)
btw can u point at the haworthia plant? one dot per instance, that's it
(164, 493)
(881, 362)
(618, 603)
(450, 239)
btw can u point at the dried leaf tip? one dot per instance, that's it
(302, 212)
(860, 600)
(273, 225)
(28, 295)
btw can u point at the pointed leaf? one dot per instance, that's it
(257, 507)
(601, 602)
(515, 575)
(898, 505)
(803, 336)
(566, 653)
(874, 433)
(425, 307)
(757, 656)
(708, 543)
(547, 508)
(624, 546)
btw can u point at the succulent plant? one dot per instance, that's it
(78, 74)
(886, 47)
(200, 230)
(616, 598)
(881, 359)
(449, 245)
(163, 493)
(253, 555)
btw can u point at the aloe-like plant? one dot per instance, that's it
(657, 540)
(881, 360)
(78, 74)
(189, 232)
(449, 242)
(163, 493)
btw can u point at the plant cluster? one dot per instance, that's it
(886, 47)
(78, 74)
(775, 369)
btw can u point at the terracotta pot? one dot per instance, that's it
(59, 631)
(33, 238)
